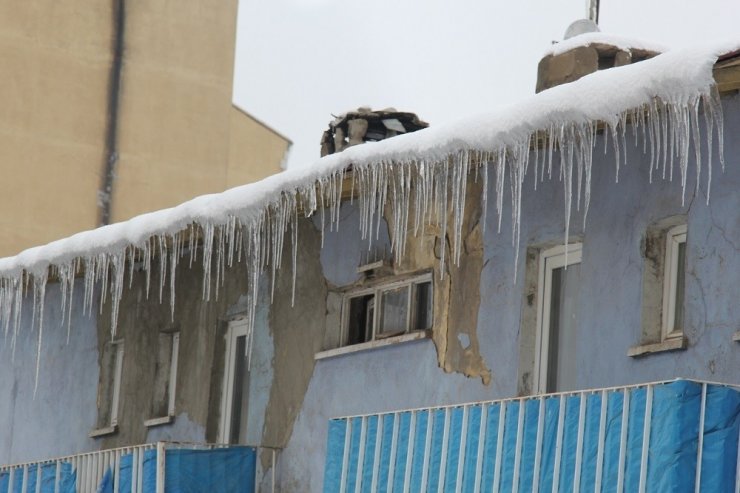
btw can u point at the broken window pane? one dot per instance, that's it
(395, 306)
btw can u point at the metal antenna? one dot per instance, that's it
(592, 10)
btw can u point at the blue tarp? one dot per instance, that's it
(47, 479)
(461, 446)
(228, 470)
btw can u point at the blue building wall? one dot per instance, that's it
(407, 376)
(57, 420)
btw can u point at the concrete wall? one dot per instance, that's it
(175, 103)
(255, 151)
(55, 61)
(170, 127)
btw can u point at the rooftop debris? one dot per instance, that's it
(365, 125)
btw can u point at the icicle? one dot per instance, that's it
(39, 296)
(429, 189)
(294, 227)
(173, 269)
(71, 273)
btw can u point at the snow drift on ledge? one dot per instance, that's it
(662, 98)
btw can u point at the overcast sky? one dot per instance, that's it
(299, 61)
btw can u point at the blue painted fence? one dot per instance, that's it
(680, 436)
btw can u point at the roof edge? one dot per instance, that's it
(261, 123)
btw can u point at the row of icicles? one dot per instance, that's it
(419, 192)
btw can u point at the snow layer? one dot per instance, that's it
(422, 176)
(587, 39)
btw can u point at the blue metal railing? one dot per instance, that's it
(667, 436)
(147, 468)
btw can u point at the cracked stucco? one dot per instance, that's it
(456, 289)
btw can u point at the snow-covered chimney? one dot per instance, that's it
(365, 125)
(585, 50)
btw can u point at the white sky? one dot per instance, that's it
(299, 61)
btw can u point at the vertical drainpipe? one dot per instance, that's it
(105, 193)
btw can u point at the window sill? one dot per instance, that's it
(672, 344)
(164, 420)
(378, 343)
(101, 432)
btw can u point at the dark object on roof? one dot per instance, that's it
(365, 125)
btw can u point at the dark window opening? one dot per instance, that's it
(401, 307)
(361, 315)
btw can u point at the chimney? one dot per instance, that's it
(585, 50)
(365, 125)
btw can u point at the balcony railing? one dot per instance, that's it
(678, 436)
(144, 468)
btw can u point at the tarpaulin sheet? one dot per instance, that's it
(46, 482)
(67, 478)
(126, 480)
(227, 470)
(583, 438)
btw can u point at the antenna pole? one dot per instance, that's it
(592, 10)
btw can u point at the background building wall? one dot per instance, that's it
(255, 151)
(168, 122)
(55, 62)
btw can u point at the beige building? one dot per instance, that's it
(115, 108)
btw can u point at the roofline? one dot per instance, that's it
(728, 56)
(261, 123)
(726, 72)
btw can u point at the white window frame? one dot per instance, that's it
(117, 377)
(550, 259)
(114, 385)
(236, 328)
(172, 385)
(377, 290)
(674, 238)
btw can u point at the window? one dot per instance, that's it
(109, 388)
(165, 379)
(556, 361)
(235, 391)
(663, 288)
(387, 309)
(674, 281)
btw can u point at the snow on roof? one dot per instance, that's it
(428, 168)
(621, 42)
(678, 77)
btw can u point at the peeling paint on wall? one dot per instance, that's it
(456, 290)
(298, 332)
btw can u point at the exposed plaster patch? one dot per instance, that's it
(456, 290)
(298, 333)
